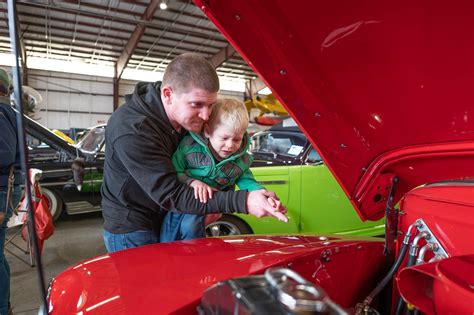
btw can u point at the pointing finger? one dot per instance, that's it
(280, 216)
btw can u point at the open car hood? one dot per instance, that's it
(381, 89)
(42, 133)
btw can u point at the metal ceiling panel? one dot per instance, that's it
(98, 32)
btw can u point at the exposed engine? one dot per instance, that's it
(435, 257)
(278, 291)
(416, 234)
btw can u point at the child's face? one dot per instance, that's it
(224, 139)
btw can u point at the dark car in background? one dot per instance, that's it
(55, 157)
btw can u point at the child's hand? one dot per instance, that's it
(202, 191)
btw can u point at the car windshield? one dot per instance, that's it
(284, 143)
(92, 140)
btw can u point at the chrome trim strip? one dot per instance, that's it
(67, 170)
(57, 170)
(273, 182)
(56, 183)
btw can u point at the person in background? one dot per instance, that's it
(140, 182)
(214, 160)
(10, 179)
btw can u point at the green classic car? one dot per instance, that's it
(286, 163)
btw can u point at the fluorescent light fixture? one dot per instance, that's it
(69, 66)
(7, 60)
(265, 91)
(141, 75)
(150, 76)
(78, 67)
(232, 85)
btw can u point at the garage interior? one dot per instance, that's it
(64, 46)
(373, 170)
(125, 41)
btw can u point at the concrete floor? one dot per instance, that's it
(75, 238)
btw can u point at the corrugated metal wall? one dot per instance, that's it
(72, 100)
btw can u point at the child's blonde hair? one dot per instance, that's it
(230, 111)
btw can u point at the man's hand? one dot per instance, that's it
(202, 191)
(263, 203)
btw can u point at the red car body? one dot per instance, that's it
(385, 92)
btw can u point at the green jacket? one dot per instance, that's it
(194, 160)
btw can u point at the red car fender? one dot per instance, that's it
(440, 287)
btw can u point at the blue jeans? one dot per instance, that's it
(179, 226)
(4, 267)
(115, 242)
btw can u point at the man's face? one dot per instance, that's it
(189, 110)
(224, 139)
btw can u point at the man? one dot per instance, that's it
(10, 179)
(140, 182)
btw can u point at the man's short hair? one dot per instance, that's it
(188, 71)
(230, 111)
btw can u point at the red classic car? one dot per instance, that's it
(384, 90)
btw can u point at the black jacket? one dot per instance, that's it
(140, 182)
(9, 153)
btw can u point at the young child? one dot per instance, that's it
(217, 159)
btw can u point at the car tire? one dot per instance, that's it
(55, 203)
(228, 225)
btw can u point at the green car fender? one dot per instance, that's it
(315, 202)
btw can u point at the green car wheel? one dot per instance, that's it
(227, 225)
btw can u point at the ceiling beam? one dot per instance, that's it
(135, 38)
(222, 56)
